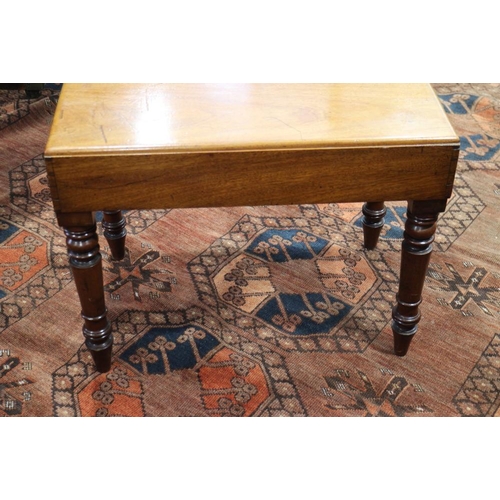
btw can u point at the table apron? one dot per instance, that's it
(241, 178)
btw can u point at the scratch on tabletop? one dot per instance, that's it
(104, 135)
(290, 126)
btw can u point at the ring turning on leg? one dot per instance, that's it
(373, 222)
(417, 248)
(86, 265)
(115, 231)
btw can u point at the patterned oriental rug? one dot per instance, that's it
(268, 311)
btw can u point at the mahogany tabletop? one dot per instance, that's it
(122, 119)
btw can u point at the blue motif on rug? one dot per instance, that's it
(282, 245)
(7, 230)
(458, 106)
(303, 314)
(478, 147)
(164, 349)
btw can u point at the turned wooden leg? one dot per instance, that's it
(417, 247)
(86, 265)
(114, 231)
(373, 222)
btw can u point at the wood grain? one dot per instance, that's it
(167, 118)
(251, 178)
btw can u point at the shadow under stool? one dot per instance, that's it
(159, 146)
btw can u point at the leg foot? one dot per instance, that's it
(402, 339)
(102, 357)
(86, 266)
(417, 248)
(115, 231)
(373, 222)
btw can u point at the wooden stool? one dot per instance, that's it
(145, 146)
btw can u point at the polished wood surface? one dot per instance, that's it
(126, 118)
(115, 232)
(86, 266)
(226, 145)
(250, 178)
(207, 145)
(420, 227)
(373, 221)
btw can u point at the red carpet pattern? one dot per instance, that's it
(252, 311)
